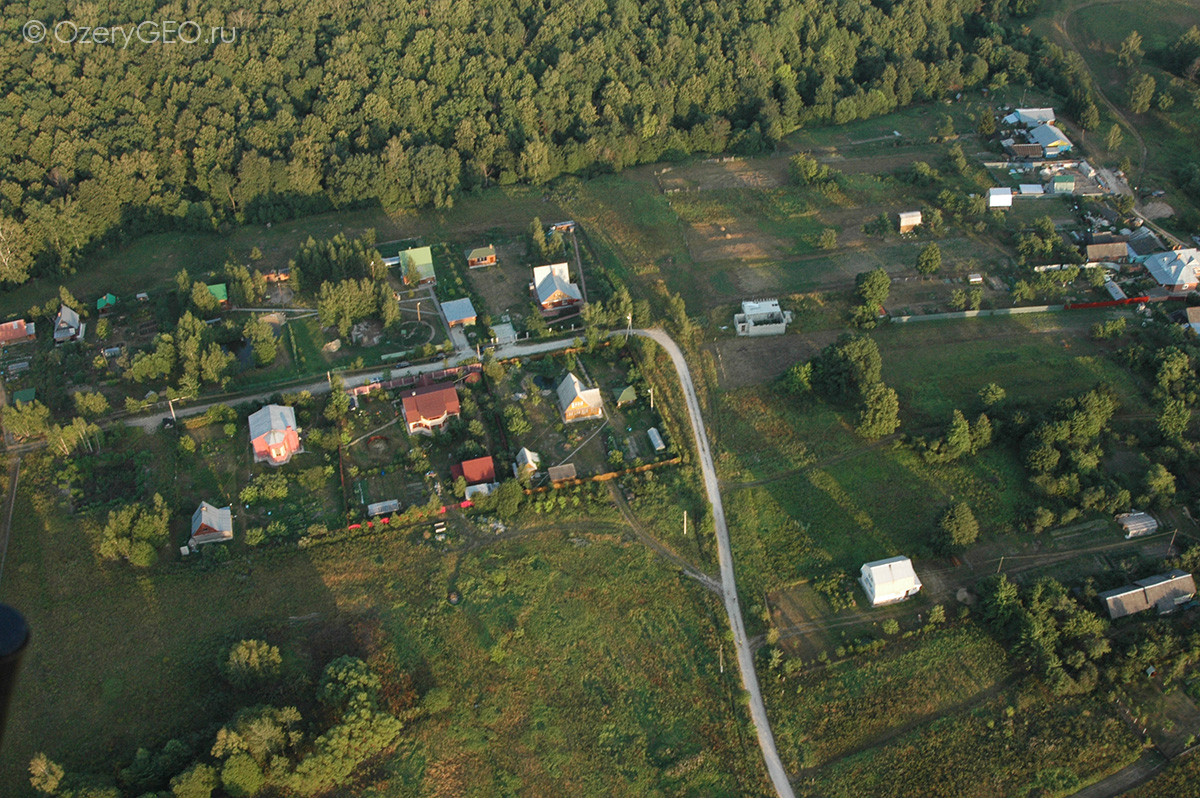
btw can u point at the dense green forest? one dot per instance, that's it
(326, 105)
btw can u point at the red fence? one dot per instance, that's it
(1108, 303)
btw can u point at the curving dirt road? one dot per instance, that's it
(758, 710)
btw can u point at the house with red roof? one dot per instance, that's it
(274, 435)
(479, 473)
(429, 408)
(16, 332)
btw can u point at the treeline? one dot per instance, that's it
(322, 105)
(357, 715)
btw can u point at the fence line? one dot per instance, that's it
(971, 314)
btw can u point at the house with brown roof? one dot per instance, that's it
(1107, 248)
(1163, 592)
(480, 474)
(429, 408)
(16, 332)
(481, 256)
(578, 403)
(211, 525)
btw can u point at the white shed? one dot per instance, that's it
(890, 580)
(1000, 197)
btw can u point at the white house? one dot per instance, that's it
(761, 317)
(890, 580)
(1000, 197)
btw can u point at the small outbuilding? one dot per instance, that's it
(909, 221)
(220, 292)
(211, 525)
(527, 463)
(627, 396)
(888, 581)
(1137, 524)
(656, 439)
(1000, 198)
(106, 303)
(562, 472)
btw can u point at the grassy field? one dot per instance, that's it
(810, 498)
(562, 659)
(1013, 744)
(822, 715)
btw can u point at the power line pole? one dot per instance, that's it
(685, 523)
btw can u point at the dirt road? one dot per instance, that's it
(758, 710)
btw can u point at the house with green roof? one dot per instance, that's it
(626, 397)
(24, 395)
(106, 303)
(221, 293)
(421, 259)
(481, 256)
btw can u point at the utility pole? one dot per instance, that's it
(418, 310)
(685, 523)
(722, 649)
(171, 404)
(628, 326)
(1171, 545)
(1001, 563)
(651, 397)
